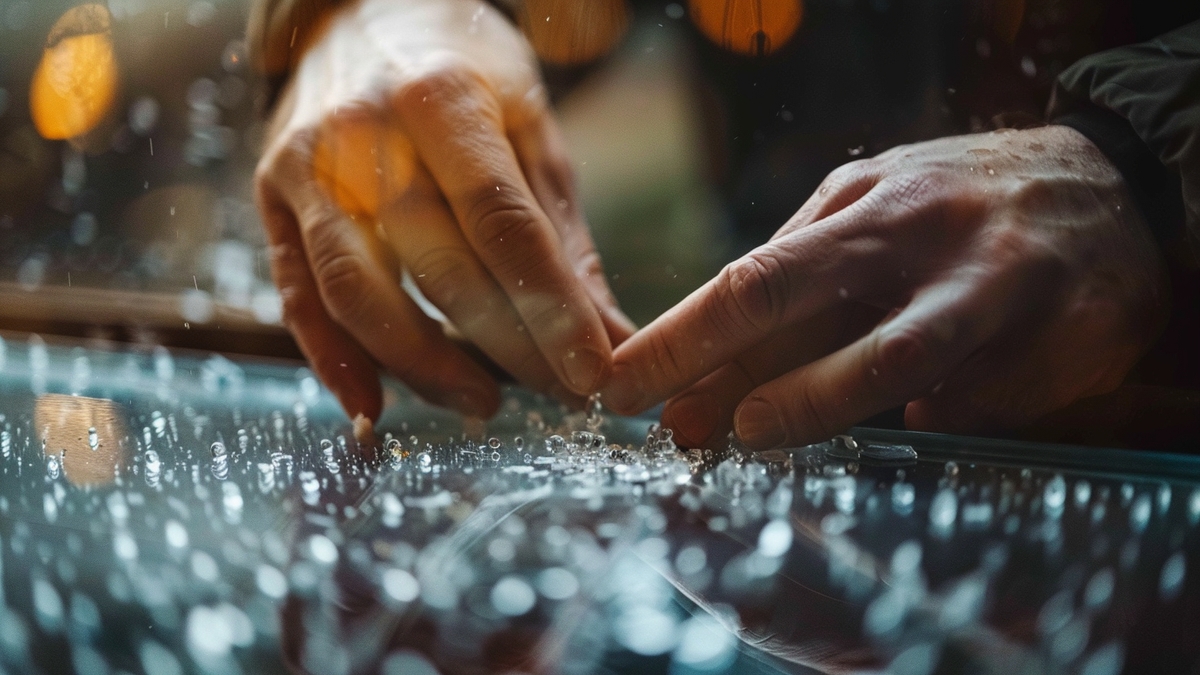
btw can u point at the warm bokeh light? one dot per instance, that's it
(362, 163)
(75, 84)
(566, 32)
(87, 433)
(751, 27)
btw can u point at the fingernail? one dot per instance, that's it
(693, 418)
(758, 424)
(624, 392)
(583, 367)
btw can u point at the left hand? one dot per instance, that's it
(983, 280)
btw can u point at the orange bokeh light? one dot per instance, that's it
(362, 163)
(566, 32)
(75, 84)
(750, 27)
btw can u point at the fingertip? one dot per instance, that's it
(623, 393)
(759, 424)
(693, 417)
(586, 369)
(359, 396)
(918, 416)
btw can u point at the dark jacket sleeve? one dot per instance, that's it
(1141, 105)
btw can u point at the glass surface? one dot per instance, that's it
(165, 512)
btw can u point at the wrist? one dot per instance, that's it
(1156, 196)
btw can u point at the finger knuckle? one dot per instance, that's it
(342, 278)
(849, 172)
(754, 295)
(505, 225)
(913, 191)
(905, 356)
(440, 76)
(440, 273)
(666, 361)
(589, 266)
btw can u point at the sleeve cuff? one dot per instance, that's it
(1152, 186)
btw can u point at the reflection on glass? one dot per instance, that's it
(84, 436)
(753, 27)
(75, 84)
(565, 32)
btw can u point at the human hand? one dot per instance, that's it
(416, 135)
(1012, 273)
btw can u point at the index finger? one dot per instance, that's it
(456, 123)
(781, 282)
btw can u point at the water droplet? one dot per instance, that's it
(322, 550)
(512, 596)
(271, 582)
(594, 411)
(1083, 493)
(1099, 590)
(153, 469)
(400, 585)
(943, 511)
(393, 510)
(176, 534)
(1170, 581)
(266, 476)
(1164, 499)
(775, 538)
(220, 460)
(1139, 513)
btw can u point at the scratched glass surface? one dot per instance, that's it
(165, 512)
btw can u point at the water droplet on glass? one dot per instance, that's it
(266, 476)
(400, 585)
(1164, 499)
(1054, 495)
(153, 468)
(1170, 581)
(1099, 590)
(393, 510)
(775, 538)
(220, 460)
(943, 511)
(1083, 493)
(594, 411)
(1139, 513)
(512, 596)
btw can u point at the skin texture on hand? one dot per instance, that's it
(983, 280)
(416, 135)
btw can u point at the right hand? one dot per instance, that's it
(416, 135)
